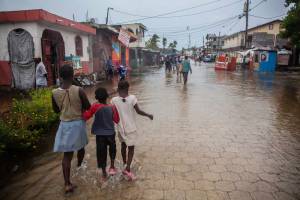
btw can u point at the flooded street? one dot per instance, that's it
(226, 135)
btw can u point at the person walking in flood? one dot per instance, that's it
(40, 74)
(127, 106)
(104, 129)
(186, 68)
(168, 65)
(70, 101)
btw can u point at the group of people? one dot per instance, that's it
(182, 67)
(109, 70)
(75, 109)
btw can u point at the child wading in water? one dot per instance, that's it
(103, 127)
(70, 101)
(127, 107)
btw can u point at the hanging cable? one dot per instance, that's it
(161, 15)
(268, 17)
(258, 4)
(187, 15)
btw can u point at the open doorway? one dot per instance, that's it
(53, 49)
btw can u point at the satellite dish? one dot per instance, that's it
(94, 20)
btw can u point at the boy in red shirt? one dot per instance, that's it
(103, 127)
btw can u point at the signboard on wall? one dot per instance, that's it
(264, 56)
(124, 37)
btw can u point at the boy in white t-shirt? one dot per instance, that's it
(127, 107)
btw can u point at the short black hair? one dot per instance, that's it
(186, 57)
(123, 85)
(101, 94)
(66, 72)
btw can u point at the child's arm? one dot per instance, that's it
(140, 112)
(84, 100)
(116, 117)
(55, 106)
(90, 112)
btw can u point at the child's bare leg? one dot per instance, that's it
(80, 156)
(66, 167)
(123, 152)
(112, 151)
(130, 157)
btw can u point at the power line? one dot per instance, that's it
(171, 12)
(220, 22)
(168, 13)
(203, 28)
(267, 17)
(258, 4)
(176, 16)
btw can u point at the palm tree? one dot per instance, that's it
(174, 44)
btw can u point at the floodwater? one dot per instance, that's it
(225, 135)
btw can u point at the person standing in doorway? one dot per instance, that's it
(70, 101)
(40, 74)
(186, 68)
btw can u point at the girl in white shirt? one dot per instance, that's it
(127, 107)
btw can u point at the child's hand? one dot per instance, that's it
(150, 117)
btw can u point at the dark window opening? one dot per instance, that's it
(78, 46)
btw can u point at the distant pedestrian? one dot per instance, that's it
(122, 72)
(41, 74)
(127, 106)
(168, 64)
(109, 69)
(70, 100)
(104, 129)
(186, 68)
(179, 68)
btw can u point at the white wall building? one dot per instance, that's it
(54, 38)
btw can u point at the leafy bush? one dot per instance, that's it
(28, 120)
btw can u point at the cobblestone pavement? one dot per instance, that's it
(224, 136)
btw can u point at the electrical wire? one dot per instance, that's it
(223, 24)
(186, 15)
(176, 16)
(268, 17)
(171, 12)
(258, 4)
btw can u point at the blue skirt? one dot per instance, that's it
(70, 136)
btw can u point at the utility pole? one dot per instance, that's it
(219, 48)
(188, 28)
(107, 13)
(246, 11)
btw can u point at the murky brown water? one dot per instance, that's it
(223, 136)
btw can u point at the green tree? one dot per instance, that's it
(164, 41)
(171, 45)
(174, 44)
(291, 23)
(152, 43)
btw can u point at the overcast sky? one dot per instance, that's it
(207, 15)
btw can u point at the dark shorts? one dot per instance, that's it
(185, 74)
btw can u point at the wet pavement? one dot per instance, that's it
(226, 135)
